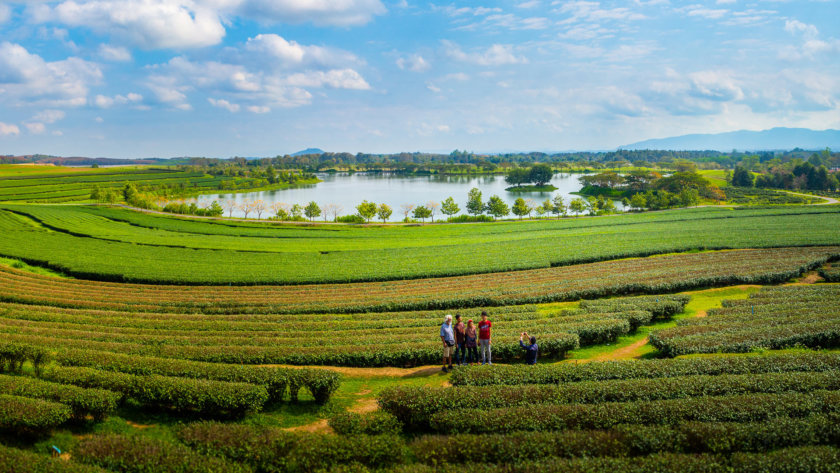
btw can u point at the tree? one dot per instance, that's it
(384, 212)
(332, 210)
(406, 209)
(530, 204)
(296, 211)
(366, 210)
(638, 202)
(741, 177)
(518, 176)
(259, 208)
(312, 210)
(520, 208)
(281, 210)
(577, 206)
(215, 210)
(474, 204)
(433, 207)
(544, 208)
(540, 174)
(449, 207)
(605, 205)
(591, 205)
(497, 207)
(559, 206)
(422, 213)
(688, 197)
(246, 207)
(230, 206)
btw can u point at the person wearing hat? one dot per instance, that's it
(460, 340)
(530, 350)
(448, 339)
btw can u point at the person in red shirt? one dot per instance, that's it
(484, 338)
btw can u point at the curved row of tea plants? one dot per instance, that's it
(775, 318)
(662, 274)
(83, 338)
(74, 241)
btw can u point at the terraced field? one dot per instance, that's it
(139, 249)
(213, 370)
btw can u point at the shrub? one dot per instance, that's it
(83, 402)
(147, 455)
(179, 394)
(415, 405)
(267, 449)
(566, 373)
(541, 417)
(373, 423)
(14, 355)
(31, 416)
(13, 460)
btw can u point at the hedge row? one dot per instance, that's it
(542, 417)
(13, 460)
(270, 450)
(831, 274)
(659, 306)
(31, 416)
(565, 373)
(630, 440)
(277, 381)
(794, 316)
(415, 405)
(822, 459)
(178, 394)
(14, 355)
(372, 423)
(136, 454)
(96, 403)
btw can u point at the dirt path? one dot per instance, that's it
(624, 353)
(808, 278)
(826, 200)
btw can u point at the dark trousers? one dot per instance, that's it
(460, 353)
(472, 354)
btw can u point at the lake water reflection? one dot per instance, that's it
(349, 190)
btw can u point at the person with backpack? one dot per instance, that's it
(484, 338)
(448, 339)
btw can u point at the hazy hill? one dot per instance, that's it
(773, 139)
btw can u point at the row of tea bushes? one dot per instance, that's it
(642, 369)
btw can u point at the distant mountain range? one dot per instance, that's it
(308, 151)
(773, 139)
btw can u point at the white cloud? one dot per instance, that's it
(149, 24)
(273, 51)
(414, 62)
(114, 53)
(222, 103)
(258, 109)
(319, 12)
(7, 129)
(709, 13)
(49, 116)
(796, 26)
(103, 101)
(495, 55)
(36, 128)
(27, 78)
(5, 13)
(336, 78)
(592, 11)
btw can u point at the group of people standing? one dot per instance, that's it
(463, 342)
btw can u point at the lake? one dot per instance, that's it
(349, 190)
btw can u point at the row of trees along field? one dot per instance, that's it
(644, 189)
(466, 162)
(795, 175)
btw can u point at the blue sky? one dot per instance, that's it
(143, 78)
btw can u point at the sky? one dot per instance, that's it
(221, 78)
